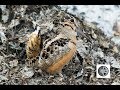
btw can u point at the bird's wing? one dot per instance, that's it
(55, 52)
(51, 54)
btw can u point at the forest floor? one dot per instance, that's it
(17, 22)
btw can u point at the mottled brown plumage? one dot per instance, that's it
(57, 49)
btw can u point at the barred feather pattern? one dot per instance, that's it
(58, 46)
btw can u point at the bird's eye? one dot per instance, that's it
(72, 20)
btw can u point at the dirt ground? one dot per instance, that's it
(18, 21)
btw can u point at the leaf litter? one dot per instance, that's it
(81, 70)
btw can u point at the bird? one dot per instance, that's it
(59, 50)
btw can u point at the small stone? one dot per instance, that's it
(94, 36)
(3, 78)
(27, 72)
(13, 63)
(115, 64)
(104, 44)
(115, 49)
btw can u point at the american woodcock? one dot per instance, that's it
(59, 47)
